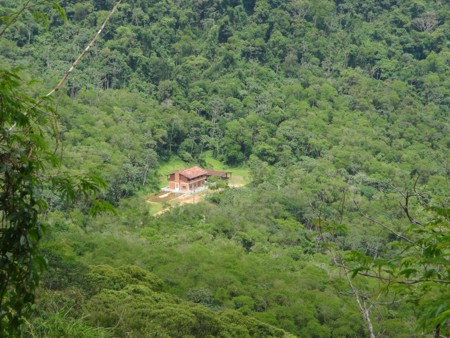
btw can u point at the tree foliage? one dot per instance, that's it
(334, 107)
(23, 156)
(28, 166)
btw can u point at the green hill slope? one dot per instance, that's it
(337, 114)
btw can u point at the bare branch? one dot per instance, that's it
(426, 22)
(365, 310)
(381, 224)
(14, 18)
(80, 56)
(406, 210)
(91, 43)
(74, 64)
(405, 207)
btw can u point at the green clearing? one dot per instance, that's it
(168, 167)
(155, 207)
(213, 163)
(240, 175)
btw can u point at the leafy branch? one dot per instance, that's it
(24, 156)
(424, 261)
(9, 21)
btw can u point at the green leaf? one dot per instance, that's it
(441, 211)
(61, 11)
(430, 273)
(408, 272)
(99, 206)
(356, 271)
(41, 17)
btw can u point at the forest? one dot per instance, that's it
(338, 111)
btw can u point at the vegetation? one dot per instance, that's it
(338, 110)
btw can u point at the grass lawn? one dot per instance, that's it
(165, 168)
(239, 176)
(212, 163)
(155, 207)
(161, 201)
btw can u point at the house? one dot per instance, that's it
(192, 179)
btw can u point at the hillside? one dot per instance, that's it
(337, 112)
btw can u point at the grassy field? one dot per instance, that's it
(240, 175)
(155, 207)
(166, 168)
(212, 163)
(162, 201)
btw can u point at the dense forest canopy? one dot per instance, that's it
(338, 109)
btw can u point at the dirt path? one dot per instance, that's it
(176, 200)
(184, 199)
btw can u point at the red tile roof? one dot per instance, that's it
(222, 174)
(193, 172)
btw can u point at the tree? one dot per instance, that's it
(23, 156)
(25, 169)
(420, 271)
(426, 22)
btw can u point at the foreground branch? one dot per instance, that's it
(91, 43)
(365, 310)
(74, 64)
(14, 18)
(366, 216)
(392, 280)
